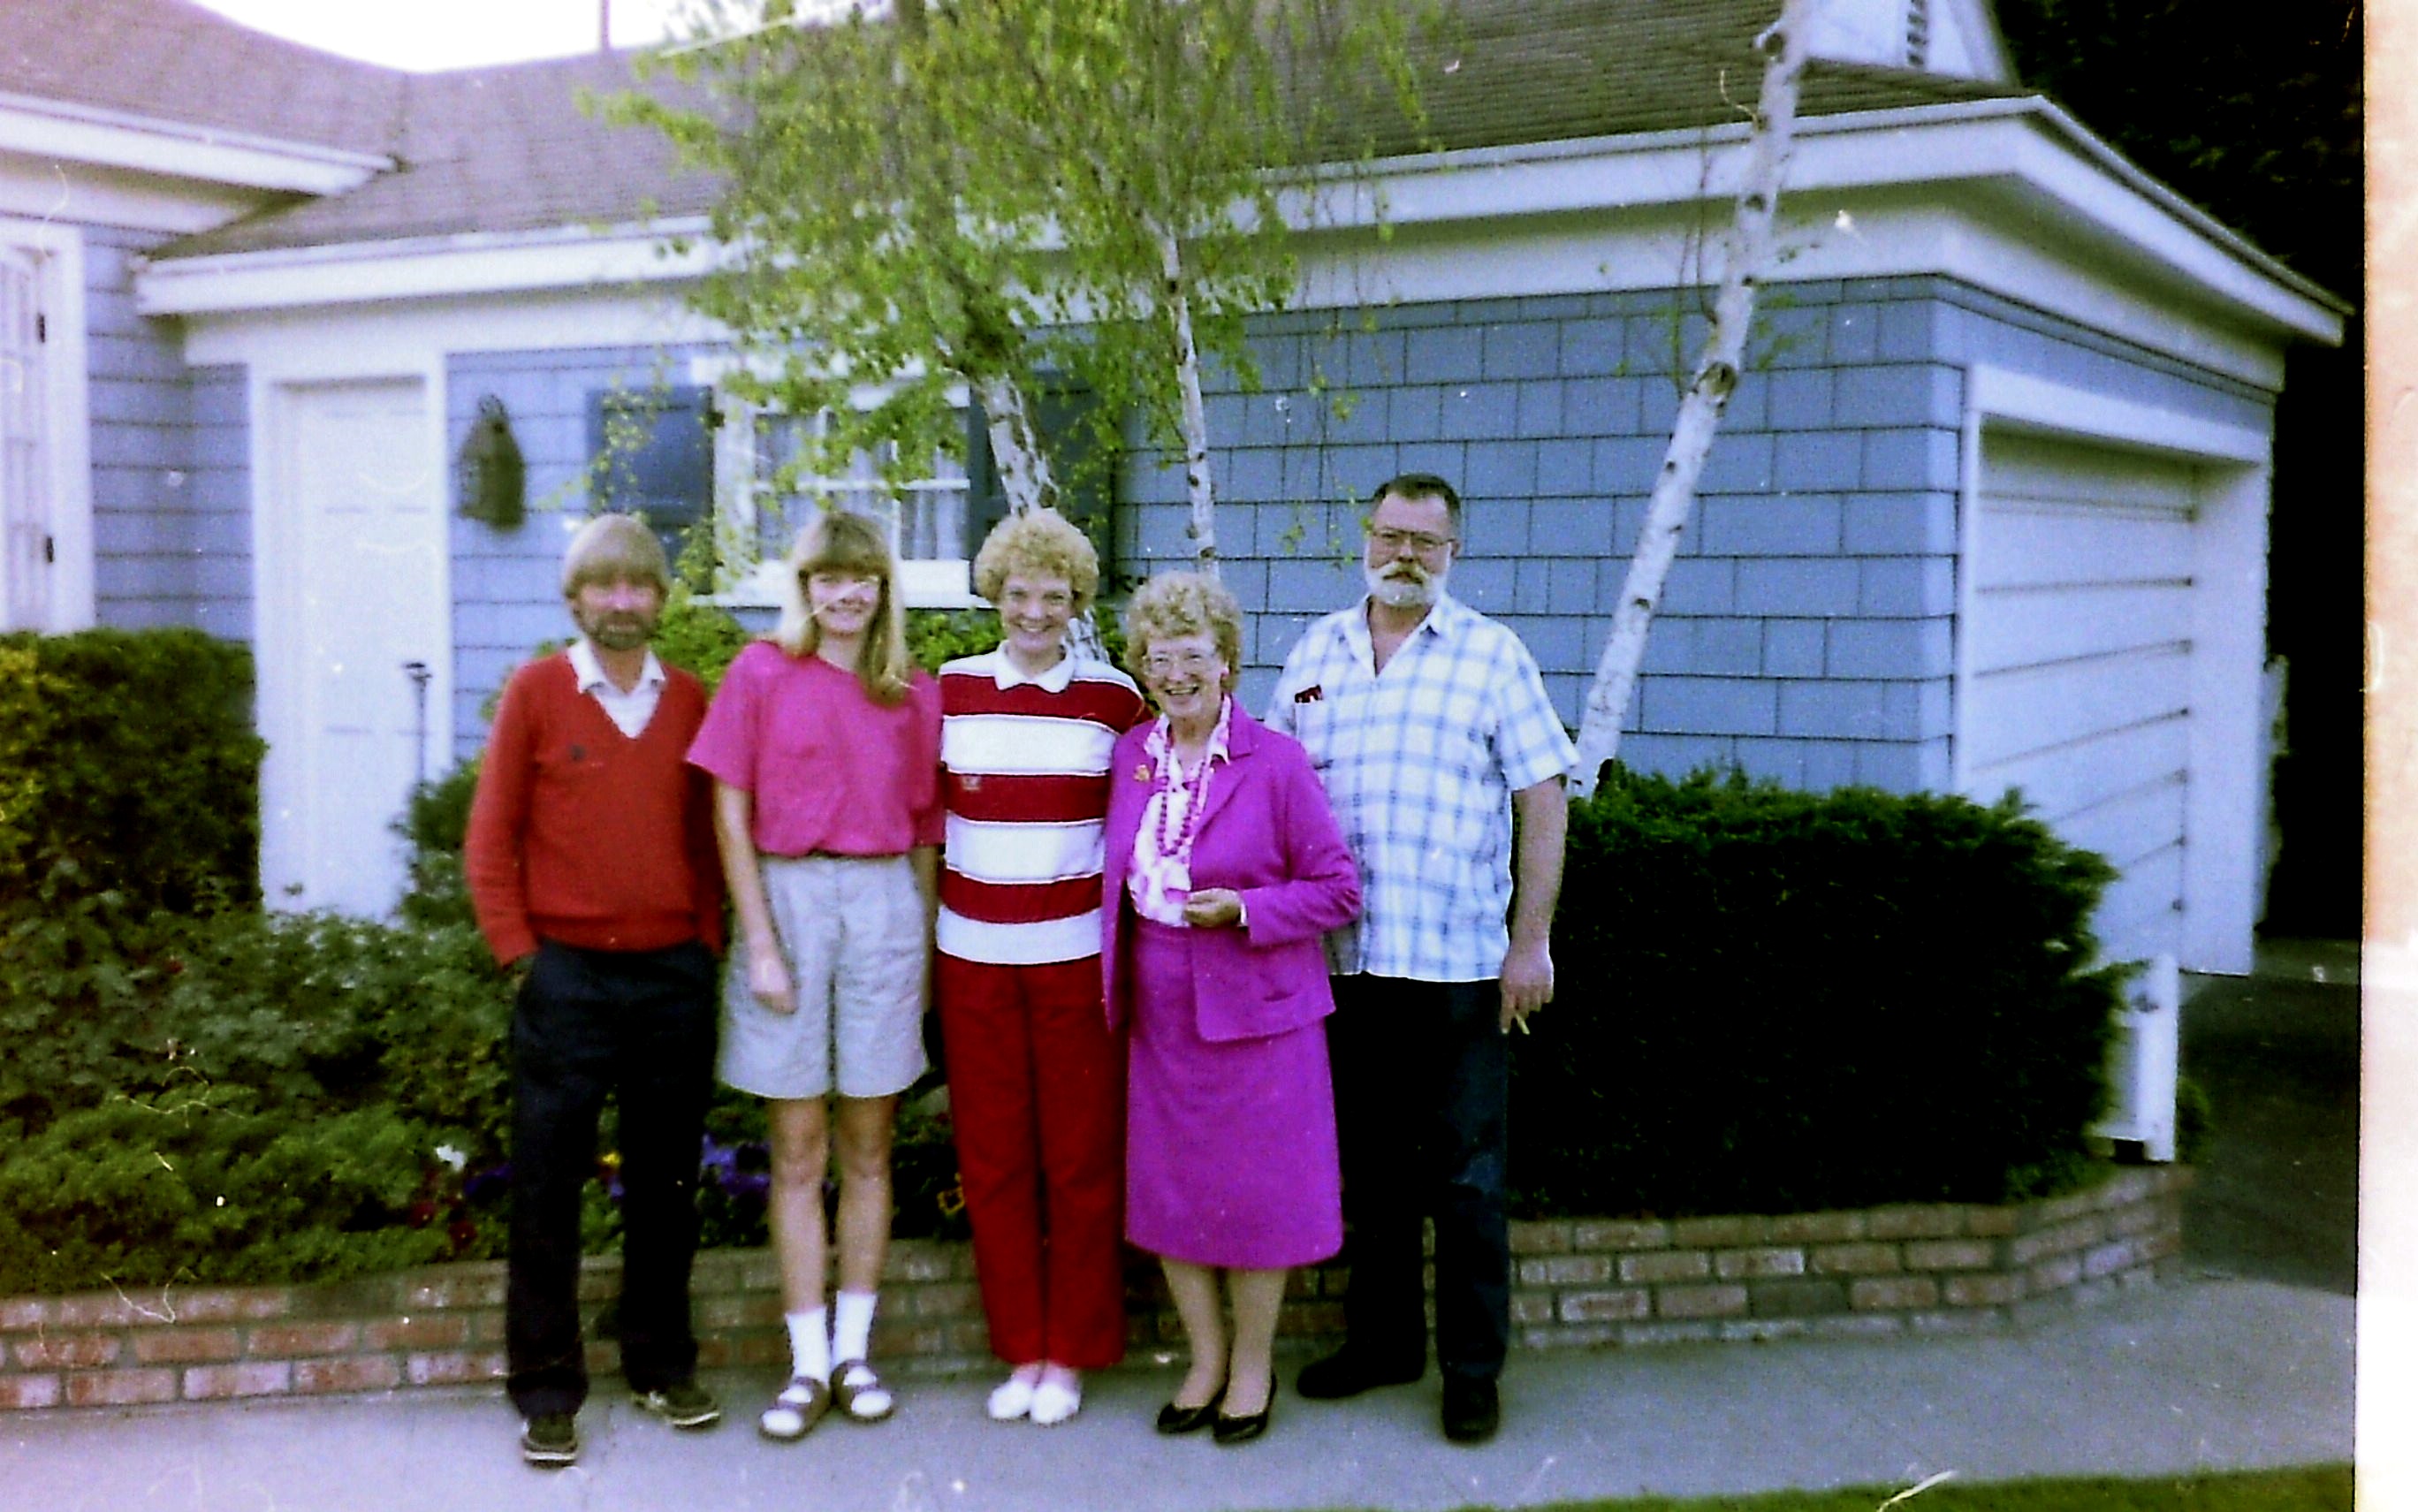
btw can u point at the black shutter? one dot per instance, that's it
(651, 452)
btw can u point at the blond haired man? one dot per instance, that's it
(592, 864)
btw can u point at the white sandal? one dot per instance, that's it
(860, 1394)
(798, 1407)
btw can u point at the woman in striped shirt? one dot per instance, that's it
(1036, 1082)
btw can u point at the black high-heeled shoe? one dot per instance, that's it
(1246, 1428)
(1173, 1419)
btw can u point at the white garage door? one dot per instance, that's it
(2078, 662)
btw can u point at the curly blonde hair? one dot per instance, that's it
(837, 542)
(1038, 544)
(1183, 604)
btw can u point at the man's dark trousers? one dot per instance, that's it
(1421, 1084)
(641, 1024)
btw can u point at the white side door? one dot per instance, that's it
(25, 545)
(354, 604)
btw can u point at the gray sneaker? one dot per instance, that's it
(686, 1405)
(550, 1440)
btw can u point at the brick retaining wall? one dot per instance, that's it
(1578, 1282)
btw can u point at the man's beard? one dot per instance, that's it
(619, 632)
(1404, 585)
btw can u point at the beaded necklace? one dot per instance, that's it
(1171, 780)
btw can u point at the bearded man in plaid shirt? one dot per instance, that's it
(1429, 727)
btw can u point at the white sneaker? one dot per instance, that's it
(1054, 1402)
(1010, 1399)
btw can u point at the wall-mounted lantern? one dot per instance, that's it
(489, 474)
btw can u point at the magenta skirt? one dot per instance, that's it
(1230, 1144)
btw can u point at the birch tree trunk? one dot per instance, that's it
(1025, 474)
(1749, 256)
(1176, 299)
(1016, 447)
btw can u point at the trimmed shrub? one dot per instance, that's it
(128, 763)
(1773, 1000)
(243, 1096)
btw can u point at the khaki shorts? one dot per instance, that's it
(857, 944)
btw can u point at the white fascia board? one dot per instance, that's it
(391, 339)
(2010, 161)
(571, 257)
(2023, 149)
(56, 130)
(49, 190)
(1836, 234)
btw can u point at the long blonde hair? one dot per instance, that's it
(837, 542)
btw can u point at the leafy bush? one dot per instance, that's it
(128, 764)
(242, 1096)
(1775, 1001)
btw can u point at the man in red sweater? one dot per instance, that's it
(592, 864)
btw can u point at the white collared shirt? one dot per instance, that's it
(629, 712)
(1055, 678)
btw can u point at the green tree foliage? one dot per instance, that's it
(925, 196)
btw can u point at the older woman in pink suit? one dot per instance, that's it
(1224, 868)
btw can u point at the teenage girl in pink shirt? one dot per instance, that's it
(824, 747)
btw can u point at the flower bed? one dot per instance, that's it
(1920, 1268)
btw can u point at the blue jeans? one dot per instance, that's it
(640, 1025)
(1421, 1084)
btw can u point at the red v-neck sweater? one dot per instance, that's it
(581, 835)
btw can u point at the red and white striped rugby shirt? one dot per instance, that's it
(1024, 778)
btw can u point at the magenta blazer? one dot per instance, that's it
(1267, 833)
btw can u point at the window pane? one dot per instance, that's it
(927, 516)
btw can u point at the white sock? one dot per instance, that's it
(810, 1343)
(853, 1327)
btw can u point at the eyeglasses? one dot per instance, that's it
(1391, 541)
(1159, 665)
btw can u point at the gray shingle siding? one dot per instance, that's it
(506, 593)
(220, 494)
(1807, 631)
(171, 465)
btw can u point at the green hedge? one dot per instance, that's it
(1774, 1002)
(241, 1097)
(128, 763)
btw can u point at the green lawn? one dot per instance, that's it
(2308, 1488)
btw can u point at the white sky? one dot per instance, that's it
(450, 34)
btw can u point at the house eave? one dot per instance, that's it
(425, 268)
(57, 130)
(2021, 158)
(2016, 149)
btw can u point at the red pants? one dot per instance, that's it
(1037, 1094)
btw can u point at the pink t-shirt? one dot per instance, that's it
(832, 772)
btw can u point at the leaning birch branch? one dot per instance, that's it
(1750, 254)
(1176, 298)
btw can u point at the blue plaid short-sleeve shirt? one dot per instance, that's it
(1420, 764)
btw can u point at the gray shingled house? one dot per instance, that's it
(1990, 510)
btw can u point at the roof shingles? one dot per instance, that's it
(505, 149)
(171, 60)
